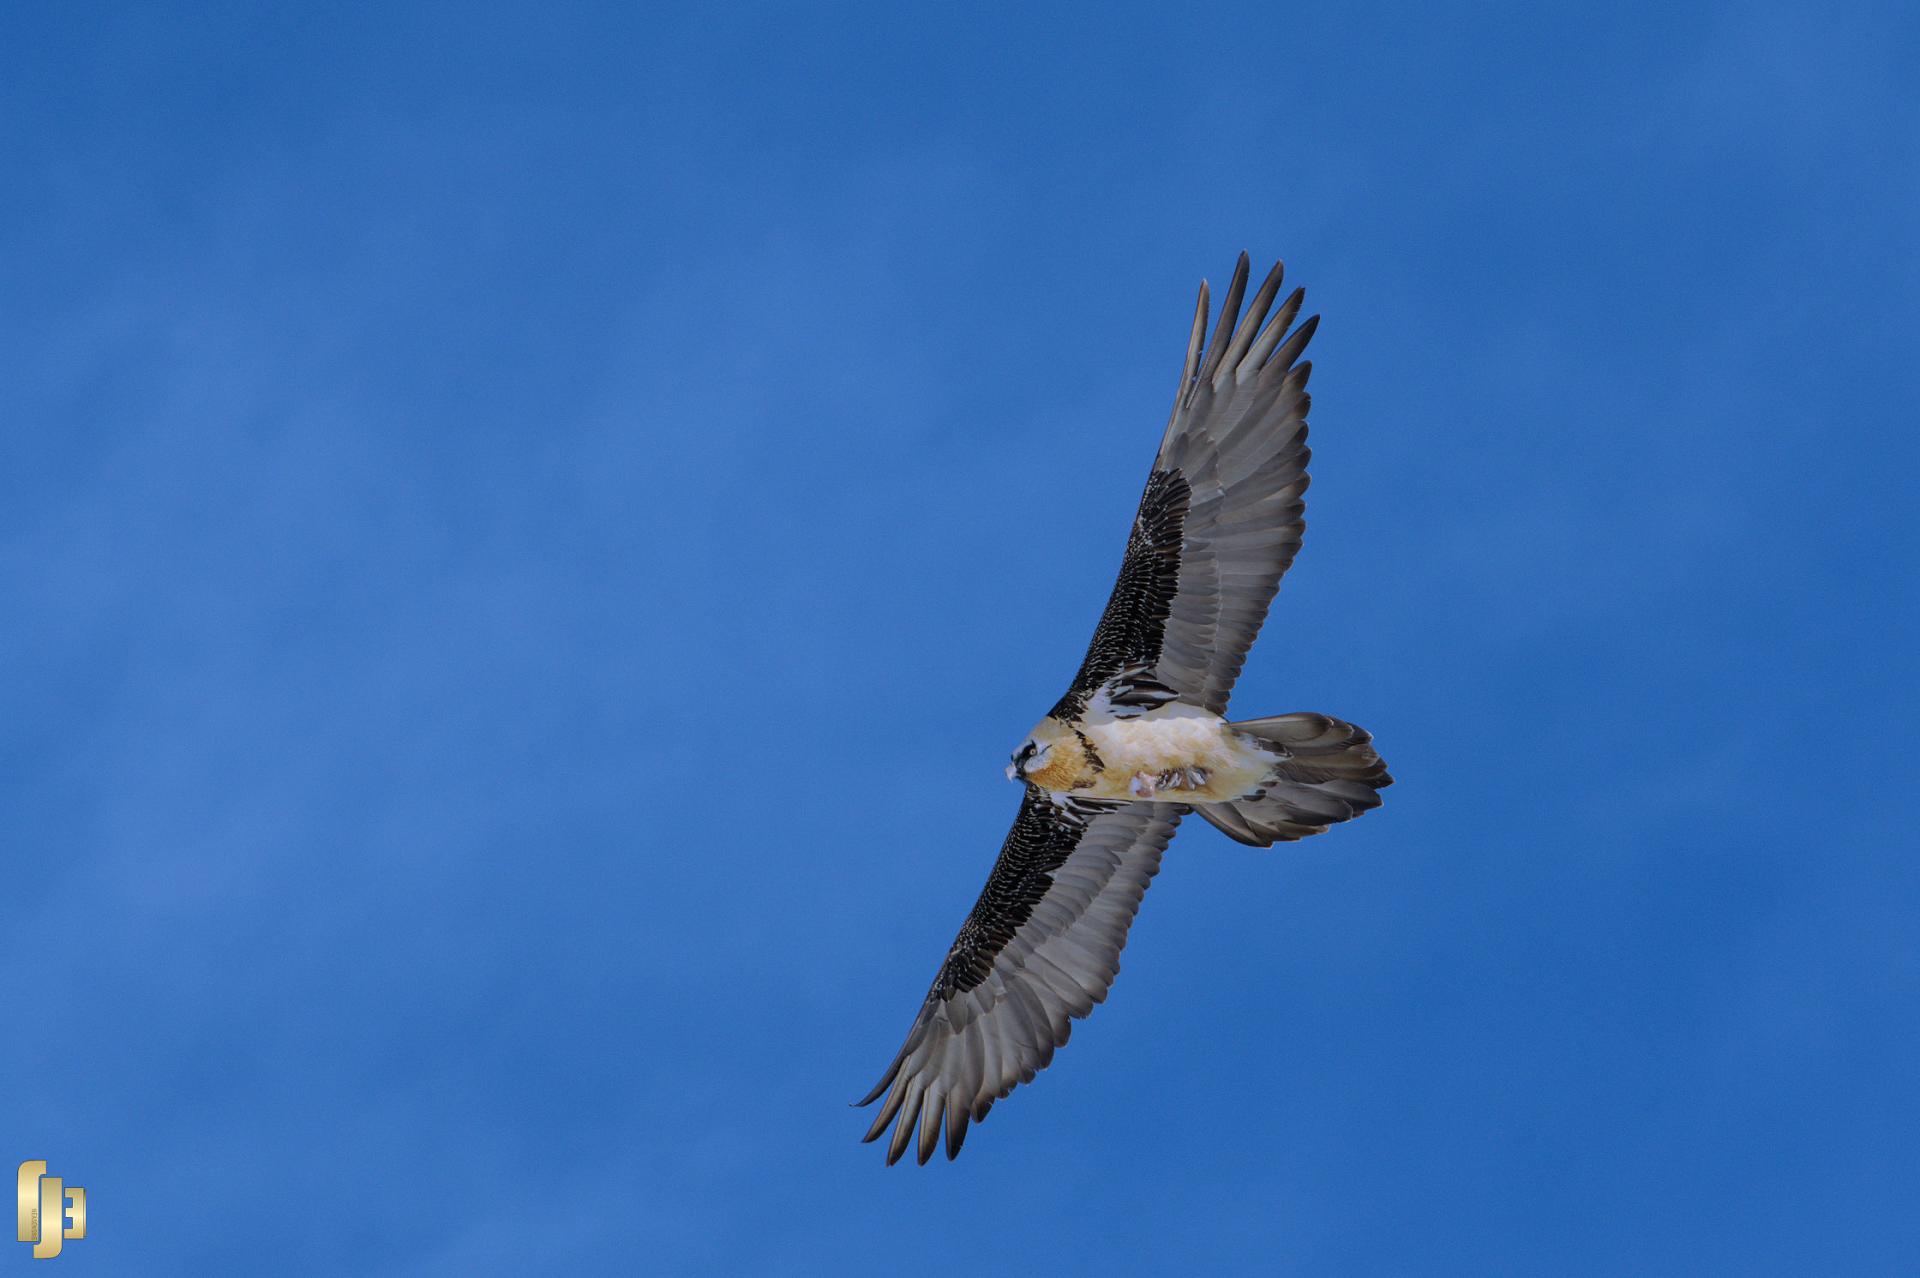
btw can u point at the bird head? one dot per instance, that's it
(1048, 757)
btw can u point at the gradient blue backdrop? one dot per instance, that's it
(527, 535)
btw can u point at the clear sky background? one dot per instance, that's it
(527, 536)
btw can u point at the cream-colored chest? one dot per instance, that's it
(1158, 744)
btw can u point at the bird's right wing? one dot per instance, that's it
(1040, 948)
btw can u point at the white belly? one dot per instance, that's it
(1176, 738)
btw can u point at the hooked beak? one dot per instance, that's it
(1013, 773)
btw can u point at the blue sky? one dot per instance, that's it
(528, 535)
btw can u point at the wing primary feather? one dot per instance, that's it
(1296, 384)
(1191, 368)
(1229, 311)
(903, 1130)
(932, 1115)
(886, 1081)
(1277, 329)
(1250, 325)
(956, 1129)
(887, 1111)
(1291, 348)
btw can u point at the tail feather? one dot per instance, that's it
(1331, 774)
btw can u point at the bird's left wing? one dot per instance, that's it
(1040, 948)
(1221, 517)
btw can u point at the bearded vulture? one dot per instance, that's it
(1141, 737)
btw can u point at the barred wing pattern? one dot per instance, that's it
(1040, 948)
(1222, 515)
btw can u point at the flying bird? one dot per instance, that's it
(1141, 737)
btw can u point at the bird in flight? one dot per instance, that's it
(1141, 737)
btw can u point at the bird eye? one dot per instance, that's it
(1026, 752)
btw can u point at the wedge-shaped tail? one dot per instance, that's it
(1331, 774)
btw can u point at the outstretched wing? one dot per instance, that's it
(1221, 518)
(1040, 948)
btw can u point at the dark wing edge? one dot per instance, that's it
(1040, 948)
(1224, 508)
